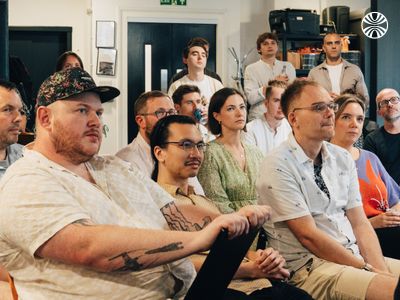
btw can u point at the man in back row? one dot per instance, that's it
(196, 57)
(257, 75)
(269, 131)
(88, 227)
(148, 109)
(318, 223)
(335, 74)
(385, 141)
(184, 72)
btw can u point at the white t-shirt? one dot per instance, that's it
(335, 73)
(208, 86)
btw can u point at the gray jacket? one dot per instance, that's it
(351, 78)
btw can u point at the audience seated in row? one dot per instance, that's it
(89, 226)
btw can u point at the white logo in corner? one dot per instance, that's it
(374, 25)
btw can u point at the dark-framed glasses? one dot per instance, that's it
(161, 113)
(189, 145)
(320, 107)
(385, 102)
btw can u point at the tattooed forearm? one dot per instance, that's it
(177, 221)
(83, 222)
(133, 264)
(167, 248)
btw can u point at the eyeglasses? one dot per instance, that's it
(320, 107)
(189, 145)
(384, 103)
(161, 113)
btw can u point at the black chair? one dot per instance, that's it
(220, 266)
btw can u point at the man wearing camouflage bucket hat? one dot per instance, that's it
(85, 226)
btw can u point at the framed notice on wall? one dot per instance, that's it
(106, 61)
(105, 34)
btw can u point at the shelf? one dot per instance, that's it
(284, 38)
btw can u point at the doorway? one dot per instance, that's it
(38, 49)
(166, 42)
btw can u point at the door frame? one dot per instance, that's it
(173, 15)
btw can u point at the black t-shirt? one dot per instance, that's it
(387, 147)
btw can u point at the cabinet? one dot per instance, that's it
(295, 41)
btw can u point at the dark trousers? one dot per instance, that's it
(278, 291)
(389, 240)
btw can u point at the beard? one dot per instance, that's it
(391, 119)
(70, 145)
(6, 139)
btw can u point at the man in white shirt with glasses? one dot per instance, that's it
(148, 109)
(318, 223)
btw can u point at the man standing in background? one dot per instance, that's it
(257, 75)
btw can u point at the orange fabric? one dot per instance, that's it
(12, 286)
(374, 193)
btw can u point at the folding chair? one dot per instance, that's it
(220, 266)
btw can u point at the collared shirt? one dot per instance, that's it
(190, 198)
(13, 152)
(40, 197)
(205, 134)
(256, 76)
(351, 78)
(287, 184)
(138, 153)
(260, 134)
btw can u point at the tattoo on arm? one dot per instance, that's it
(177, 221)
(133, 264)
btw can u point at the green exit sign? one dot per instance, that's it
(173, 2)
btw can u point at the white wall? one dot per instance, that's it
(71, 13)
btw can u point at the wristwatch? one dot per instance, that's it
(367, 267)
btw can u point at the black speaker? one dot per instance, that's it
(339, 15)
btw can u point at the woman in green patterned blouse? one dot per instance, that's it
(230, 168)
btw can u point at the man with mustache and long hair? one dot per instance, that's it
(178, 152)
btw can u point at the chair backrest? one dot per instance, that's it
(220, 266)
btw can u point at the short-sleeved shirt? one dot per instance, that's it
(287, 184)
(40, 197)
(13, 152)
